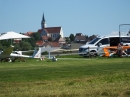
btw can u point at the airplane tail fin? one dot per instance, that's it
(8, 51)
(37, 53)
(107, 54)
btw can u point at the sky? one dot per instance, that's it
(89, 17)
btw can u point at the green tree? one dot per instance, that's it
(71, 37)
(25, 46)
(1, 47)
(36, 36)
(67, 39)
(17, 47)
(6, 43)
(32, 42)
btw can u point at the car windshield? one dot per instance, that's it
(94, 40)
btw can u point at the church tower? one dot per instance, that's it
(43, 22)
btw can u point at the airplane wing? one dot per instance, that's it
(15, 56)
(111, 47)
(125, 47)
(36, 54)
(114, 49)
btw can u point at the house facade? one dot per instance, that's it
(52, 32)
(80, 38)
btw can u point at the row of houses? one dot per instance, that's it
(56, 34)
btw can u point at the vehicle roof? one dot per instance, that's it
(113, 36)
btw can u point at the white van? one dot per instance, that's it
(92, 46)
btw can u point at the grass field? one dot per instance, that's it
(76, 77)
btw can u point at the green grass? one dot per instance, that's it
(79, 77)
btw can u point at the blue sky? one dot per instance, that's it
(90, 17)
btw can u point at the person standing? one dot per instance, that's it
(119, 50)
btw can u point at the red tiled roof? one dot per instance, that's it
(51, 30)
(52, 44)
(39, 30)
(28, 33)
(39, 43)
(55, 44)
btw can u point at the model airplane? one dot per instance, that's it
(111, 50)
(8, 55)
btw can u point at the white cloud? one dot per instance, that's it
(117, 33)
(114, 33)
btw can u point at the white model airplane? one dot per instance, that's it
(7, 55)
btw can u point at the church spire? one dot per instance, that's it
(43, 22)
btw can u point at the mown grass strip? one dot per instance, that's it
(66, 78)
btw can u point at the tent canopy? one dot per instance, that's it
(12, 35)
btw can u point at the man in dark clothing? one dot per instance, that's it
(119, 50)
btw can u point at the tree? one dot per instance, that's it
(32, 42)
(1, 47)
(71, 37)
(92, 37)
(25, 46)
(86, 37)
(67, 39)
(17, 47)
(36, 36)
